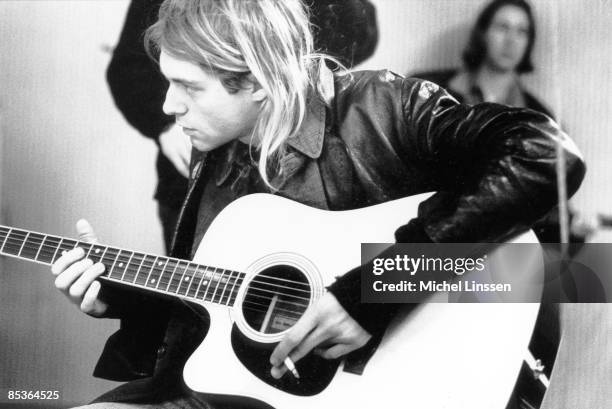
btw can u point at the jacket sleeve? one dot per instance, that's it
(136, 84)
(494, 169)
(495, 166)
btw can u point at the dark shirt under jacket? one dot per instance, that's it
(381, 137)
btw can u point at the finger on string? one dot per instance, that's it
(82, 283)
(67, 259)
(64, 280)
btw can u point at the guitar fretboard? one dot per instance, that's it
(160, 274)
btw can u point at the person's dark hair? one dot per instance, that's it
(475, 52)
(345, 29)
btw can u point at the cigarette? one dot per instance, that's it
(291, 366)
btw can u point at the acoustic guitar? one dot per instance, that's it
(264, 261)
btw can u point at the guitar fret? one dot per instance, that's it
(191, 280)
(127, 266)
(138, 269)
(107, 260)
(5, 237)
(45, 255)
(239, 278)
(12, 246)
(23, 244)
(159, 271)
(198, 274)
(151, 271)
(174, 279)
(6, 240)
(175, 276)
(142, 275)
(163, 270)
(210, 279)
(42, 243)
(31, 246)
(186, 280)
(225, 287)
(172, 275)
(202, 279)
(54, 259)
(178, 288)
(84, 245)
(134, 267)
(217, 287)
(121, 265)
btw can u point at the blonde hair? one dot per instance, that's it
(270, 39)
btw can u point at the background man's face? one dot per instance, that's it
(204, 108)
(507, 38)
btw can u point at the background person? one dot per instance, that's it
(498, 53)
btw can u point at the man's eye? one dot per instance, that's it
(192, 90)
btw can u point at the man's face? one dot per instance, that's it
(209, 114)
(507, 38)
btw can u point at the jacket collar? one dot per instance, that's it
(309, 139)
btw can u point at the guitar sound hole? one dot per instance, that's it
(275, 299)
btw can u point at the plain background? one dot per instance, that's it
(67, 153)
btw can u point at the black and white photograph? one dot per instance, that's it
(295, 204)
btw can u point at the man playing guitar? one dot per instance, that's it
(265, 115)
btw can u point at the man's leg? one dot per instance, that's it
(188, 402)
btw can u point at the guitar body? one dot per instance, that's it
(441, 355)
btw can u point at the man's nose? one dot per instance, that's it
(173, 104)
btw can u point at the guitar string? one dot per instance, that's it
(265, 309)
(206, 296)
(37, 247)
(179, 283)
(225, 299)
(143, 256)
(69, 244)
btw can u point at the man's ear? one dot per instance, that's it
(257, 92)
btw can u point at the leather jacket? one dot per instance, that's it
(378, 138)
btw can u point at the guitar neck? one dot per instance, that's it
(159, 274)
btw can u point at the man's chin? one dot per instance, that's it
(200, 146)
